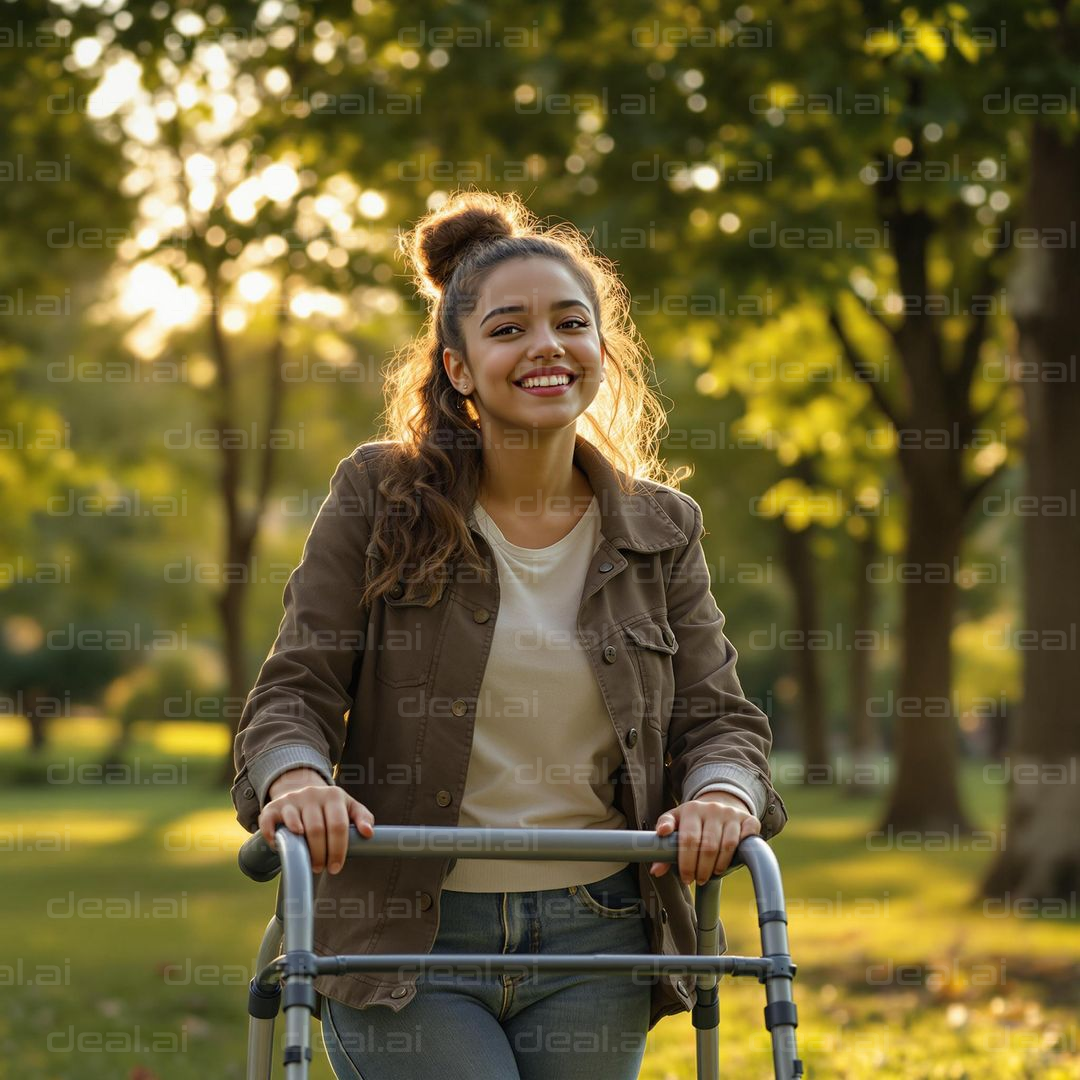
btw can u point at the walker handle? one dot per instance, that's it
(260, 862)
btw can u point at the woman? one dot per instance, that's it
(519, 622)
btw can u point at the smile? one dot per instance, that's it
(547, 385)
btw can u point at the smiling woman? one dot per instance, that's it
(472, 401)
(522, 617)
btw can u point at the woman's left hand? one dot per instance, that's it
(710, 828)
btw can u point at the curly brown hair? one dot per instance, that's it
(434, 469)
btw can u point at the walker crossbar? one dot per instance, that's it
(289, 975)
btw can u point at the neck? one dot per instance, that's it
(539, 478)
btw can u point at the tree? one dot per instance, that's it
(55, 170)
(917, 265)
(802, 403)
(1042, 858)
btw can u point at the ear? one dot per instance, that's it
(452, 364)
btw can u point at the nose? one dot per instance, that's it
(545, 343)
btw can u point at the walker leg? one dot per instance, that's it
(706, 1013)
(260, 1049)
(298, 995)
(781, 1017)
(262, 1009)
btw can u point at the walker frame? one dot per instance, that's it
(286, 978)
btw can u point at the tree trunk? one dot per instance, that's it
(231, 610)
(925, 795)
(935, 428)
(799, 565)
(863, 741)
(241, 528)
(1042, 859)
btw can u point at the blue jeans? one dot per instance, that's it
(480, 1026)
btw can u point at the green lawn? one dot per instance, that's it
(130, 935)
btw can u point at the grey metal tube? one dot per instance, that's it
(535, 964)
(297, 898)
(410, 841)
(765, 873)
(260, 1049)
(530, 845)
(261, 1032)
(707, 906)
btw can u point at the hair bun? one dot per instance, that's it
(441, 239)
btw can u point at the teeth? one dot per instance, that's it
(546, 380)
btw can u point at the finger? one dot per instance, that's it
(362, 818)
(268, 823)
(689, 842)
(337, 835)
(290, 818)
(712, 834)
(750, 827)
(315, 831)
(665, 824)
(728, 843)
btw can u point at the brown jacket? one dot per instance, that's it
(408, 677)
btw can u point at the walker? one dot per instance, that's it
(296, 967)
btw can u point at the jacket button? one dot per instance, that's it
(645, 824)
(459, 708)
(772, 806)
(397, 591)
(680, 986)
(631, 737)
(444, 798)
(605, 567)
(399, 992)
(249, 792)
(663, 915)
(425, 901)
(609, 654)
(480, 615)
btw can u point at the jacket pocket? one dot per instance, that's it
(406, 647)
(652, 644)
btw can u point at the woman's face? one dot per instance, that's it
(531, 314)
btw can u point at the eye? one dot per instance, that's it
(573, 319)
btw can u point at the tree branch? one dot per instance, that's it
(864, 372)
(879, 319)
(975, 336)
(275, 407)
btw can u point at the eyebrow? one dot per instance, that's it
(557, 306)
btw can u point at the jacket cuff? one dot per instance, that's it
(716, 771)
(733, 789)
(265, 768)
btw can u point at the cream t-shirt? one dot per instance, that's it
(544, 747)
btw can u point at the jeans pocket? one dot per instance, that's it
(615, 897)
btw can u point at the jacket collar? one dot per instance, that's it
(635, 521)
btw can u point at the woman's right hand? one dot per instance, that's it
(307, 805)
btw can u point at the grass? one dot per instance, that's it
(130, 935)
